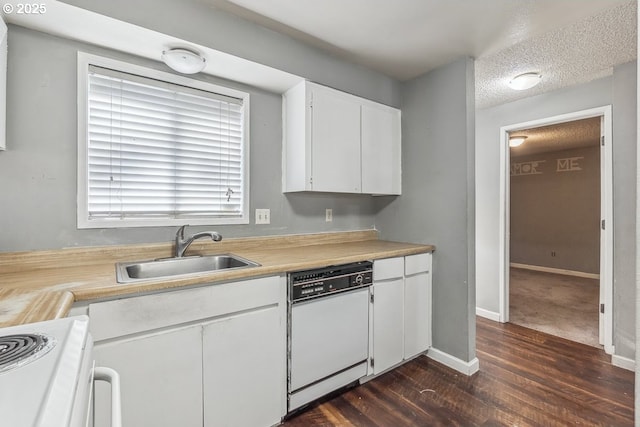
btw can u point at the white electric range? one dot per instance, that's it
(47, 374)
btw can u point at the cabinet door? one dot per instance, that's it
(244, 369)
(381, 150)
(161, 379)
(388, 321)
(335, 141)
(417, 314)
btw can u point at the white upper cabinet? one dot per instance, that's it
(335, 141)
(340, 143)
(381, 156)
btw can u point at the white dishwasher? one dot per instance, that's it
(328, 331)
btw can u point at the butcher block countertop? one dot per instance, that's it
(43, 285)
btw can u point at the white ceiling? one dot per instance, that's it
(569, 41)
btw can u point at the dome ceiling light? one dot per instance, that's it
(516, 141)
(525, 81)
(183, 60)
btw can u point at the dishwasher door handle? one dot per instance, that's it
(111, 376)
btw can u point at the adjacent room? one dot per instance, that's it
(555, 223)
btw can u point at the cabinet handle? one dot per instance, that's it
(111, 376)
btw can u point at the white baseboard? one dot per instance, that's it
(623, 362)
(491, 315)
(556, 270)
(466, 368)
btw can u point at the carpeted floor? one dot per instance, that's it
(565, 306)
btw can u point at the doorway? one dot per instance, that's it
(555, 229)
(547, 257)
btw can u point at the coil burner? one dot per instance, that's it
(19, 350)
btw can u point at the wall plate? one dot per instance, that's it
(263, 216)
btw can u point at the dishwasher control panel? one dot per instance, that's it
(309, 284)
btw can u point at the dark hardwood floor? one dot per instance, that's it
(526, 378)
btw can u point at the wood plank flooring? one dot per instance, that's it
(526, 378)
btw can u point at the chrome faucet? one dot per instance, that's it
(182, 244)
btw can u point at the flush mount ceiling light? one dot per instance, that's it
(515, 141)
(183, 60)
(525, 81)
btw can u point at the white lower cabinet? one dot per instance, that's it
(161, 377)
(417, 314)
(401, 310)
(244, 370)
(388, 320)
(209, 356)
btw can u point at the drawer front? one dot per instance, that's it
(126, 316)
(389, 268)
(414, 264)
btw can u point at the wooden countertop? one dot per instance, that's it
(43, 285)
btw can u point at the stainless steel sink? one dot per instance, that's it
(165, 268)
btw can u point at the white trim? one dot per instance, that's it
(491, 315)
(503, 227)
(466, 368)
(84, 61)
(606, 240)
(555, 270)
(623, 362)
(606, 236)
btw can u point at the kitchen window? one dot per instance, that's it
(158, 149)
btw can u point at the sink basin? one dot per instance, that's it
(165, 268)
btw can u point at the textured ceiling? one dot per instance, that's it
(578, 53)
(562, 136)
(569, 41)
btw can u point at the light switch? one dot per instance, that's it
(263, 216)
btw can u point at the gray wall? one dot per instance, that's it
(617, 90)
(437, 203)
(624, 208)
(555, 216)
(38, 170)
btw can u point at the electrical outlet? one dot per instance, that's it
(328, 215)
(263, 216)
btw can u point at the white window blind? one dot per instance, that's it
(160, 150)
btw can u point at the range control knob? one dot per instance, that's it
(359, 279)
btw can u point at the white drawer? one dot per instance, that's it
(388, 268)
(125, 316)
(414, 264)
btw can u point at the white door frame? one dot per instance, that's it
(606, 214)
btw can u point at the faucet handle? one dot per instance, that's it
(180, 232)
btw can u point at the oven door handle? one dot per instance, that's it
(111, 376)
